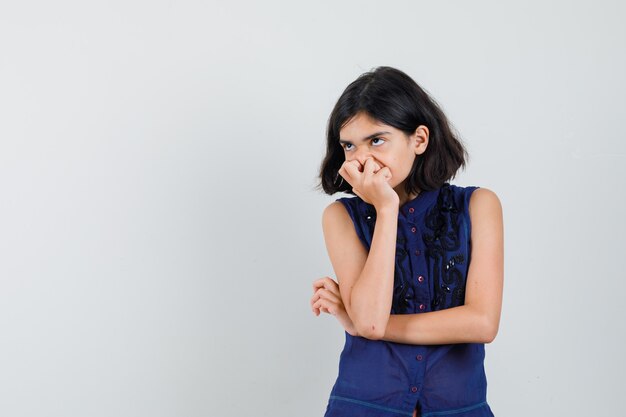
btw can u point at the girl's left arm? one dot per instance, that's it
(476, 321)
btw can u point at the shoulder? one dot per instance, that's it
(341, 234)
(333, 210)
(336, 214)
(485, 212)
(344, 207)
(484, 200)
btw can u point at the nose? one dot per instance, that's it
(361, 155)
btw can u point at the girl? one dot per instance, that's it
(419, 261)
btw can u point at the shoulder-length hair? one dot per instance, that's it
(390, 96)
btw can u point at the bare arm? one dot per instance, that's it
(365, 279)
(476, 321)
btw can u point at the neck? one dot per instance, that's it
(404, 197)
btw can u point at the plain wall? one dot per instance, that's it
(159, 227)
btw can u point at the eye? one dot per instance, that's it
(345, 145)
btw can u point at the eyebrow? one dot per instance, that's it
(372, 136)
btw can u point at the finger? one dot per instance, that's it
(377, 166)
(351, 168)
(369, 167)
(313, 303)
(385, 173)
(332, 286)
(345, 175)
(342, 172)
(323, 282)
(355, 163)
(320, 281)
(329, 283)
(314, 298)
(326, 307)
(319, 294)
(328, 295)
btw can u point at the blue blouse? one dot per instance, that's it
(378, 378)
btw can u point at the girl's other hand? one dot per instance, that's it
(327, 298)
(372, 184)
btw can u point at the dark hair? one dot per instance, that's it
(390, 96)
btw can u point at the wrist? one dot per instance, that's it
(387, 210)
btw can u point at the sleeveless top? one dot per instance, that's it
(378, 378)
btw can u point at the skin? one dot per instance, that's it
(377, 170)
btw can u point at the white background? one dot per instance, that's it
(159, 227)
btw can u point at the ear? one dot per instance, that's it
(419, 139)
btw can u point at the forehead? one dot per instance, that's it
(361, 126)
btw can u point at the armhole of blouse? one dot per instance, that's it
(468, 220)
(350, 206)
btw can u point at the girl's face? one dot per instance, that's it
(364, 137)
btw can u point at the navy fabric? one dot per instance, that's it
(378, 378)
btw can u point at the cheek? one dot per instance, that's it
(391, 163)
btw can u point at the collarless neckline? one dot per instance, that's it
(412, 207)
(419, 203)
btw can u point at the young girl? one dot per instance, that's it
(419, 261)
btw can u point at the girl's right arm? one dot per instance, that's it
(365, 279)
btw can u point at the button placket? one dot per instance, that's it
(420, 369)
